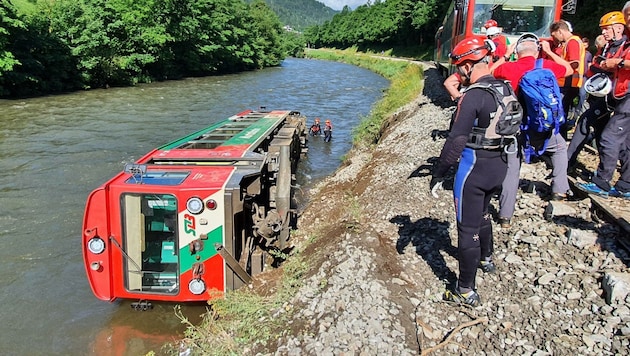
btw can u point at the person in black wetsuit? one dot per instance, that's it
(480, 172)
(327, 131)
(316, 128)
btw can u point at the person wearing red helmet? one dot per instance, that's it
(480, 170)
(493, 32)
(327, 130)
(316, 128)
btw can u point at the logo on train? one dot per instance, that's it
(189, 224)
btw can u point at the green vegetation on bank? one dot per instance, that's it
(63, 45)
(391, 23)
(245, 321)
(405, 85)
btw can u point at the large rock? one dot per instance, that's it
(581, 238)
(617, 286)
(558, 208)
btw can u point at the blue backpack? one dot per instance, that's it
(540, 93)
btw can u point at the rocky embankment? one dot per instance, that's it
(386, 251)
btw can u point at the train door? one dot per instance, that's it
(150, 247)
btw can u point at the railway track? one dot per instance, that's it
(612, 209)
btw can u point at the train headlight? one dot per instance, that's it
(194, 205)
(96, 245)
(196, 286)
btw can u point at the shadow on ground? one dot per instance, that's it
(429, 237)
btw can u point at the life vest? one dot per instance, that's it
(505, 122)
(621, 77)
(578, 74)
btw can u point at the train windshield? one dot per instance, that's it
(150, 243)
(515, 17)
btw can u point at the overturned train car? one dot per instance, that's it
(197, 215)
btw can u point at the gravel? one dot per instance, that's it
(388, 251)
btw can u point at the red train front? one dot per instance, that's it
(198, 215)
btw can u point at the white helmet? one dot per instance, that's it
(598, 85)
(493, 31)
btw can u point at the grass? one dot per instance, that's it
(405, 78)
(243, 321)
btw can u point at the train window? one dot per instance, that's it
(515, 17)
(151, 257)
(159, 178)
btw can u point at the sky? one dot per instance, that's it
(339, 4)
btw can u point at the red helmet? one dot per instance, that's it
(490, 23)
(470, 49)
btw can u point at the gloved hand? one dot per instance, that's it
(435, 185)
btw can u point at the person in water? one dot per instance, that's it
(316, 128)
(327, 131)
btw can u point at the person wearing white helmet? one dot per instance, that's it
(527, 49)
(493, 32)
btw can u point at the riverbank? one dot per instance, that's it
(376, 251)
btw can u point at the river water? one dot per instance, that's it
(55, 150)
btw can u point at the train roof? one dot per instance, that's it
(209, 156)
(231, 139)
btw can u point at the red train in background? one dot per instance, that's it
(466, 18)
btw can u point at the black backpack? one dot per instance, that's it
(505, 124)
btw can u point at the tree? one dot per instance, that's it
(9, 26)
(266, 35)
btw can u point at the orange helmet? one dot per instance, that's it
(471, 49)
(328, 121)
(611, 18)
(490, 23)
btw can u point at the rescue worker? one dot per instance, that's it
(494, 33)
(479, 174)
(453, 83)
(615, 139)
(316, 128)
(327, 130)
(528, 49)
(570, 48)
(596, 117)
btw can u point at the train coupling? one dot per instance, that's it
(141, 305)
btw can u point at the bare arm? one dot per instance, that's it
(452, 84)
(556, 58)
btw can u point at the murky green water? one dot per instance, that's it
(55, 150)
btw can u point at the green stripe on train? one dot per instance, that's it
(186, 259)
